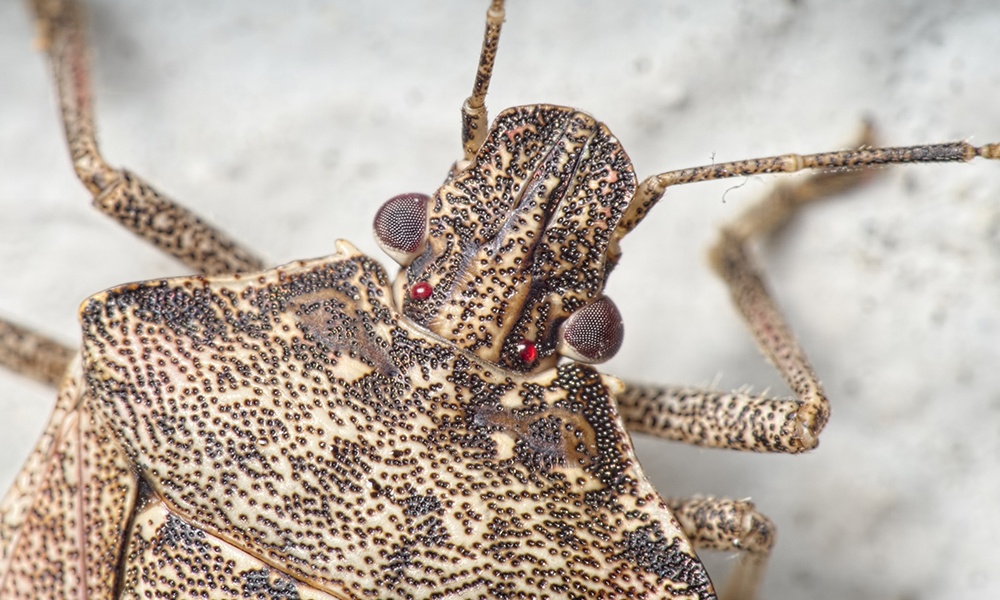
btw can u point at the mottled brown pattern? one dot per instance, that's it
(64, 536)
(168, 557)
(171, 227)
(716, 419)
(431, 474)
(518, 240)
(18, 501)
(723, 524)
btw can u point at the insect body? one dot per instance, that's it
(633, 327)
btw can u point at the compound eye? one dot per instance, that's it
(592, 334)
(400, 227)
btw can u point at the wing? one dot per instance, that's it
(62, 525)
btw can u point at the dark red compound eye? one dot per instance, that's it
(421, 291)
(400, 226)
(592, 334)
(527, 351)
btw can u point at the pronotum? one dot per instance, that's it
(893, 291)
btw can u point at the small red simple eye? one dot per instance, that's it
(527, 351)
(400, 226)
(592, 334)
(421, 291)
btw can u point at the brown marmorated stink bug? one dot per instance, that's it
(657, 90)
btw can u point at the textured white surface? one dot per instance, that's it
(290, 126)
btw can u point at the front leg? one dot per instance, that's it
(730, 420)
(118, 193)
(739, 420)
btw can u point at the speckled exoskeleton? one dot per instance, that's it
(322, 431)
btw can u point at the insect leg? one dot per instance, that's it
(740, 420)
(730, 420)
(32, 354)
(728, 525)
(118, 193)
(474, 120)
